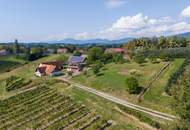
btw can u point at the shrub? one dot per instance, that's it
(132, 85)
(70, 73)
(118, 58)
(77, 53)
(135, 72)
(152, 59)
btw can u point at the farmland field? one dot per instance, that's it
(44, 108)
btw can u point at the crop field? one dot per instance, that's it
(44, 108)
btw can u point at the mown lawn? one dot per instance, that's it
(112, 79)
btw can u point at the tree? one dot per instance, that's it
(27, 53)
(107, 58)
(96, 67)
(118, 58)
(139, 58)
(16, 47)
(132, 85)
(77, 53)
(70, 48)
(36, 52)
(62, 58)
(165, 57)
(94, 54)
(162, 42)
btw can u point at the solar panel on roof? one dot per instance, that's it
(76, 59)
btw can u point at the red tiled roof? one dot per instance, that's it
(54, 63)
(49, 67)
(119, 50)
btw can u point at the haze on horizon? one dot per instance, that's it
(43, 20)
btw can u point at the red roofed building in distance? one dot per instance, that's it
(115, 50)
(62, 51)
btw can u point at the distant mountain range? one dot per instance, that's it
(185, 35)
(93, 41)
(102, 41)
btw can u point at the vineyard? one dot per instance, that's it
(45, 109)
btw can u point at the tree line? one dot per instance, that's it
(162, 42)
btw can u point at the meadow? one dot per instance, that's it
(113, 76)
(8, 63)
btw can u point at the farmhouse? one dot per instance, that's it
(75, 64)
(49, 68)
(62, 50)
(115, 50)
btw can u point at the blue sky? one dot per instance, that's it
(41, 20)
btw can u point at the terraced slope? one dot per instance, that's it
(45, 109)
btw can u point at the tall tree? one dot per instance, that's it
(15, 47)
(94, 54)
(162, 42)
(27, 53)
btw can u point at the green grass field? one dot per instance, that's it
(8, 63)
(113, 78)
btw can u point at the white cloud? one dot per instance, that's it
(82, 36)
(114, 3)
(186, 12)
(180, 27)
(141, 25)
(138, 25)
